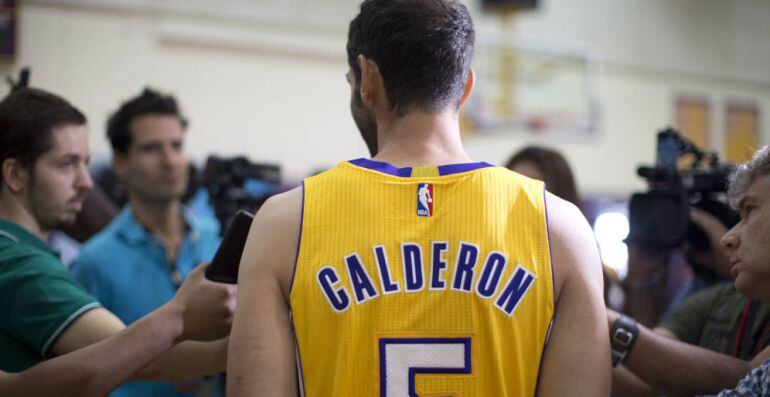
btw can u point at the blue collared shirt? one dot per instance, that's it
(125, 267)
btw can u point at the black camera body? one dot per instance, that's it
(660, 217)
(225, 179)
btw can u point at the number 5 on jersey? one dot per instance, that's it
(401, 359)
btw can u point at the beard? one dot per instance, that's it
(51, 214)
(365, 121)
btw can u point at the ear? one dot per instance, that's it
(119, 164)
(15, 175)
(370, 81)
(469, 81)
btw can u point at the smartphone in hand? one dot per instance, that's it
(224, 266)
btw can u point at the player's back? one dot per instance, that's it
(430, 281)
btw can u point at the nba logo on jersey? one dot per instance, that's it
(424, 199)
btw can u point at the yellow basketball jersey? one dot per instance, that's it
(423, 281)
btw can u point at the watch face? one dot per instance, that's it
(623, 337)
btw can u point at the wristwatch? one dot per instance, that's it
(623, 335)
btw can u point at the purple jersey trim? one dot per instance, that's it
(550, 250)
(299, 239)
(553, 286)
(459, 168)
(300, 375)
(383, 167)
(406, 172)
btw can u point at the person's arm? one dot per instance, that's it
(755, 383)
(645, 285)
(187, 360)
(261, 359)
(577, 358)
(677, 368)
(211, 305)
(200, 310)
(99, 368)
(626, 384)
(760, 358)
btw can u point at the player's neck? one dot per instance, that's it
(421, 139)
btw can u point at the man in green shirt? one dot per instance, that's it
(42, 298)
(43, 181)
(95, 370)
(730, 321)
(721, 319)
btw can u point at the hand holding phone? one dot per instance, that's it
(224, 266)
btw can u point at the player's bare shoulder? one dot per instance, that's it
(272, 243)
(573, 248)
(283, 208)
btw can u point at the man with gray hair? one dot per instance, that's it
(749, 241)
(749, 246)
(691, 370)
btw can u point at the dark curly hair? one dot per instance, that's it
(146, 103)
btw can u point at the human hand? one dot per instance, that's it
(646, 265)
(718, 259)
(207, 306)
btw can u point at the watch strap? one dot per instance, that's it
(623, 335)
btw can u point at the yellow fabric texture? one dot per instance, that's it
(348, 211)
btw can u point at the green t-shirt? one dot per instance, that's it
(39, 298)
(712, 318)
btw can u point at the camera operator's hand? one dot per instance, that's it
(646, 265)
(645, 283)
(718, 260)
(207, 306)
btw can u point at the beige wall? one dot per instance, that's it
(266, 78)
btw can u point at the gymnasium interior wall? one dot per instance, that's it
(267, 78)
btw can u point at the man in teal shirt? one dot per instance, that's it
(43, 181)
(136, 263)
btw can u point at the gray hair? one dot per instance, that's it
(747, 173)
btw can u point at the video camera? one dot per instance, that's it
(226, 180)
(660, 217)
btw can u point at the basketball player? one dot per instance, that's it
(357, 284)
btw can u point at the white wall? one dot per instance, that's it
(650, 52)
(266, 78)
